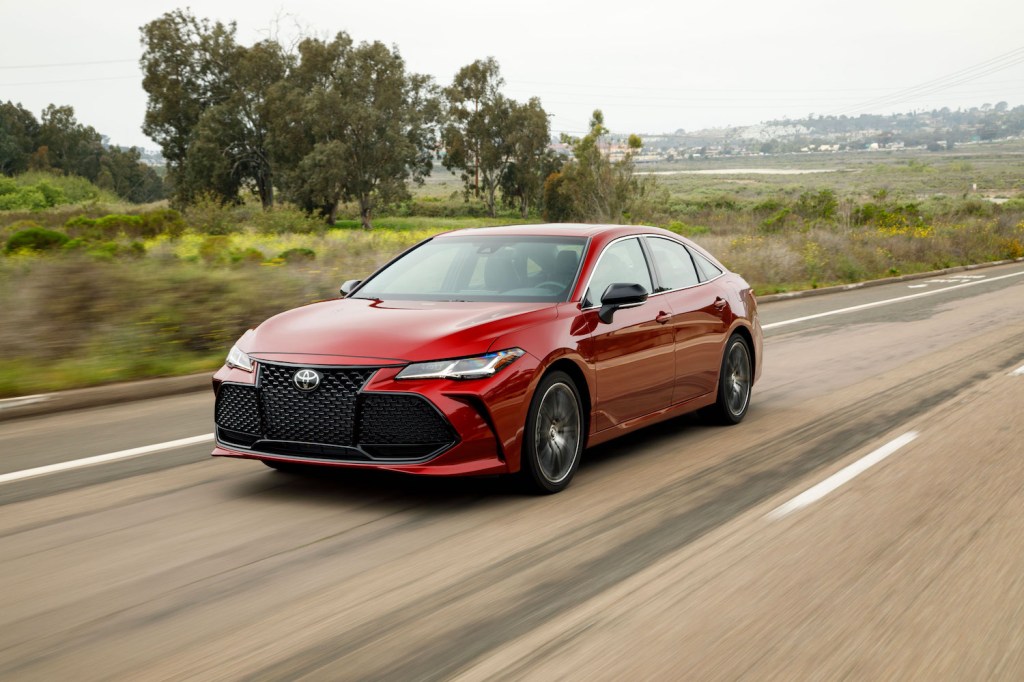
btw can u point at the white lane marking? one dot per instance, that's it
(842, 476)
(916, 286)
(22, 400)
(100, 459)
(875, 304)
(1019, 372)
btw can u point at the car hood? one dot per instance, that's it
(357, 330)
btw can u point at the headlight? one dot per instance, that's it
(238, 359)
(464, 368)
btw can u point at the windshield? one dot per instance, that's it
(481, 268)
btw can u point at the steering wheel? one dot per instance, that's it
(552, 285)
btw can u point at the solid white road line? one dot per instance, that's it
(842, 476)
(1019, 372)
(100, 459)
(887, 301)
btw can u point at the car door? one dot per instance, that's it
(699, 317)
(634, 354)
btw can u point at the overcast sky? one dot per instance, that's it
(652, 67)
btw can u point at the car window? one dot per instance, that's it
(622, 262)
(675, 267)
(708, 270)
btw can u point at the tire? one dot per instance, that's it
(735, 380)
(554, 436)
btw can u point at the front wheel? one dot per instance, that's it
(735, 380)
(554, 434)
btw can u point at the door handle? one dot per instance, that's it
(662, 317)
(720, 303)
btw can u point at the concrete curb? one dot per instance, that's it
(79, 398)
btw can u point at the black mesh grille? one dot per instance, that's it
(324, 415)
(401, 419)
(236, 409)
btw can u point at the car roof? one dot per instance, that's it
(559, 230)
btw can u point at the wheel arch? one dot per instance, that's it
(744, 331)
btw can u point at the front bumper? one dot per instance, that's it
(380, 423)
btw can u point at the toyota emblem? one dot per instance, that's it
(306, 379)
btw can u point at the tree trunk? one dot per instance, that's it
(364, 212)
(491, 201)
(332, 213)
(266, 190)
(524, 206)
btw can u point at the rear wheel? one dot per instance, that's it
(735, 380)
(554, 434)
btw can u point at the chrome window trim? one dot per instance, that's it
(688, 250)
(649, 266)
(598, 264)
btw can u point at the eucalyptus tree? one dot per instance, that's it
(187, 66)
(477, 129)
(354, 125)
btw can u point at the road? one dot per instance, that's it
(866, 521)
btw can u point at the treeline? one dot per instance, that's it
(58, 143)
(332, 122)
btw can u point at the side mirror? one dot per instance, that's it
(619, 295)
(349, 286)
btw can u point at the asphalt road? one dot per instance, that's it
(866, 521)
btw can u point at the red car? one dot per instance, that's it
(493, 351)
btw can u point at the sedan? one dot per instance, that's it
(501, 350)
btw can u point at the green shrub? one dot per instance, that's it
(776, 222)
(682, 228)
(24, 199)
(286, 220)
(768, 207)
(821, 205)
(7, 185)
(35, 239)
(298, 255)
(211, 216)
(247, 255)
(144, 225)
(73, 189)
(161, 221)
(54, 195)
(215, 249)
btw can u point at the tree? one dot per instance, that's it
(122, 172)
(361, 126)
(293, 132)
(531, 158)
(476, 135)
(19, 131)
(187, 65)
(72, 147)
(229, 144)
(598, 189)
